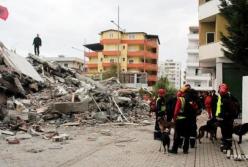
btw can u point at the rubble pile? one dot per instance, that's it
(34, 91)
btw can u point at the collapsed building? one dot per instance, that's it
(34, 91)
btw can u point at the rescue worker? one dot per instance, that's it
(181, 124)
(160, 111)
(225, 115)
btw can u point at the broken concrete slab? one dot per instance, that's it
(20, 64)
(7, 132)
(69, 107)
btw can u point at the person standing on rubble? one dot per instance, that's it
(160, 112)
(37, 44)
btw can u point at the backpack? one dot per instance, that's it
(170, 107)
(235, 105)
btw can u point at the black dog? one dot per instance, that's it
(209, 129)
(240, 130)
(165, 140)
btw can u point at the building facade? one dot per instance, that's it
(194, 75)
(69, 62)
(172, 71)
(134, 53)
(212, 24)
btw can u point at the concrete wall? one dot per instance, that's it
(245, 99)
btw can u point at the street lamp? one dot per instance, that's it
(118, 55)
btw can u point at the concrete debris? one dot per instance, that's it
(106, 132)
(35, 150)
(6, 132)
(60, 138)
(13, 140)
(40, 92)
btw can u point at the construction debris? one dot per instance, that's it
(35, 92)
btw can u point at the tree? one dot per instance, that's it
(111, 72)
(236, 42)
(163, 83)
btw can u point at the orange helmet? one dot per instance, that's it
(161, 92)
(223, 89)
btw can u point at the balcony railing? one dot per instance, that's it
(91, 54)
(144, 54)
(152, 44)
(152, 78)
(134, 42)
(110, 41)
(209, 9)
(145, 66)
(106, 65)
(92, 65)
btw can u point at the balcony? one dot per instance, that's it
(210, 51)
(136, 53)
(144, 54)
(151, 55)
(107, 65)
(193, 37)
(92, 65)
(91, 54)
(193, 64)
(151, 44)
(110, 41)
(145, 66)
(152, 78)
(134, 42)
(111, 53)
(199, 78)
(193, 51)
(208, 9)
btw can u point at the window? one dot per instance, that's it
(66, 65)
(123, 70)
(100, 70)
(210, 37)
(130, 61)
(196, 71)
(112, 60)
(101, 59)
(123, 47)
(111, 35)
(131, 36)
(123, 59)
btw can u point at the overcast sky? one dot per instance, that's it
(63, 24)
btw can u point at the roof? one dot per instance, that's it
(149, 36)
(94, 46)
(110, 30)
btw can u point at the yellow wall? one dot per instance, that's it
(137, 36)
(110, 47)
(123, 55)
(221, 26)
(205, 27)
(107, 35)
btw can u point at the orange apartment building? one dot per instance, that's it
(135, 52)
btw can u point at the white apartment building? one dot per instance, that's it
(69, 62)
(171, 70)
(194, 75)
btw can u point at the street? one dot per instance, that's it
(109, 146)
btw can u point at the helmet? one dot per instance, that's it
(223, 89)
(161, 92)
